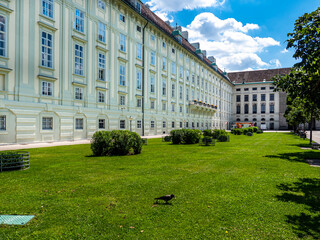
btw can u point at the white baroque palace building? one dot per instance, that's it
(71, 67)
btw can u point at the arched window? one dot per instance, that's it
(271, 119)
(246, 120)
(238, 120)
(254, 120)
(263, 119)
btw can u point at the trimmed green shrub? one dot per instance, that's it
(250, 129)
(249, 134)
(187, 136)
(255, 129)
(191, 136)
(245, 131)
(237, 131)
(207, 133)
(259, 131)
(101, 143)
(13, 160)
(223, 138)
(216, 133)
(206, 140)
(167, 138)
(116, 142)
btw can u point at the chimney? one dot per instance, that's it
(196, 45)
(185, 35)
(204, 53)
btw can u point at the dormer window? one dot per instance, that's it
(138, 7)
(101, 4)
(122, 18)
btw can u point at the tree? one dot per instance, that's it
(295, 113)
(304, 79)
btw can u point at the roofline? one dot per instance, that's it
(236, 84)
(171, 36)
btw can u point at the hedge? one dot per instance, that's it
(116, 142)
(186, 136)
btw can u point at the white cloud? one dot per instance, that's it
(275, 63)
(178, 5)
(284, 50)
(228, 40)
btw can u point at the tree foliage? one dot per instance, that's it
(302, 84)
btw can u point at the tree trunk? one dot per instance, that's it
(311, 126)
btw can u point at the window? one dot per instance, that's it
(79, 24)
(180, 109)
(152, 124)
(238, 89)
(173, 89)
(172, 124)
(271, 88)
(152, 104)
(122, 18)
(246, 98)
(238, 98)
(138, 6)
(187, 75)
(164, 87)
(152, 84)
(47, 8)
(153, 58)
(78, 59)
(46, 48)
(246, 108)
(102, 67)
(164, 45)
(254, 108)
(139, 79)
(79, 123)
(46, 88)
(238, 109)
(271, 108)
(263, 97)
(192, 78)
(187, 124)
(263, 88)
(138, 28)
(123, 42)
(181, 124)
(47, 123)
(263, 108)
(139, 51)
(78, 93)
(180, 55)
(180, 93)
(139, 124)
(102, 32)
(187, 94)
(122, 100)
(173, 68)
(101, 97)
(122, 124)
(254, 97)
(164, 106)
(122, 75)
(198, 80)
(139, 102)
(164, 124)
(152, 37)
(164, 63)
(173, 51)
(271, 97)
(101, 4)
(3, 126)
(181, 72)
(254, 120)
(172, 108)
(102, 123)
(238, 120)
(254, 89)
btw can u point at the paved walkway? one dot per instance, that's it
(315, 136)
(53, 144)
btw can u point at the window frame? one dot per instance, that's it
(101, 97)
(101, 121)
(78, 59)
(47, 123)
(102, 32)
(79, 124)
(47, 88)
(139, 51)
(3, 123)
(123, 43)
(45, 4)
(101, 66)
(78, 93)
(47, 49)
(79, 20)
(122, 74)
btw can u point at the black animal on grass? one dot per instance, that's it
(165, 198)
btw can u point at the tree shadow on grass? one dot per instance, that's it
(301, 145)
(305, 191)
(297, 156)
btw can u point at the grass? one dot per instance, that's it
(250, 188)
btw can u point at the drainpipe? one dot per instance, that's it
(143, 75)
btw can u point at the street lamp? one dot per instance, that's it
(130, 119)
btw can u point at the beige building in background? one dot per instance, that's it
(71, 67)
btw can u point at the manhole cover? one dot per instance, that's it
(314, 162)
(15, 219)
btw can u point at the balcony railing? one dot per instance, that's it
(199, 105)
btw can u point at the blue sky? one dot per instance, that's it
(241, 34)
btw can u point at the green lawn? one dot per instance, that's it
(250, 188)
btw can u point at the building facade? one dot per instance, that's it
(255, 101)
(71, 67)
